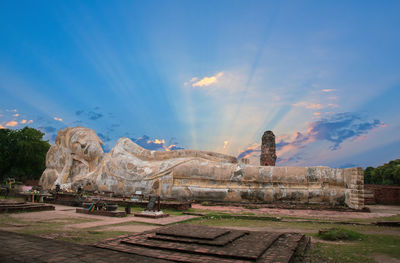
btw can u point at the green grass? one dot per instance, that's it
(306, 226)
(339, 234)
(83, 237)
(86, 237)
(357, 251)
(389, 218)
(138, 209)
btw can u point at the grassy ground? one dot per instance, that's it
(374, 240)
(356, 251)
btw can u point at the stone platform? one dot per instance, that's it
(151, 214)
(191, 243)
(16, 207)
(101, 213)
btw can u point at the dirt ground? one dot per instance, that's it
(61, 213)
(377, 211)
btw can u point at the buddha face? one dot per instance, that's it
(85, 144)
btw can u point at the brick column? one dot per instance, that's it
(354, 179)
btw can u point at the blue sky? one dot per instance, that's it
(209, 75)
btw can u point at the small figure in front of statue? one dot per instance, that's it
(79, 190)
(7, 190)
(58, 188)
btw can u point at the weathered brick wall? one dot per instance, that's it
(384, 194)
(354, 179)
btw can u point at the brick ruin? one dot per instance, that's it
(268, 149)
(191, 243)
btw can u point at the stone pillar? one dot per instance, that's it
(268, 149)
(354, 180)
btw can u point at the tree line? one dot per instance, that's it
(387, 174)
(22, 154)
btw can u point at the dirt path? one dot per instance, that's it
(376, 212)
(65, 212)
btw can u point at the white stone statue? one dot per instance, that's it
(77, 159)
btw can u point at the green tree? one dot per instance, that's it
(22, 153)
(387, 174)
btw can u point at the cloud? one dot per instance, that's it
(91, 115)
(336, 129)
(226, 144)
(94, 115)
(16, 114)
(30, 121)
(255, 148)
(206, 81)
(58, 119)
(156, 141)
(22, 121)
(328, 90)
(2, 127)
(154, 145)
(314, 106)
(307, 105)
(11, 123)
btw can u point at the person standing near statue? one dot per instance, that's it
(7, 190)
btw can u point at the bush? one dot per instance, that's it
(333, 234)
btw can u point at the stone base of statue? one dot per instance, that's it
(151, 214)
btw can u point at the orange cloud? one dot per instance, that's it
(328, 90)
(225, 144)
(16, 115)
(23, 121)
(314, 106)
(207, 81)
(157, 141)
(11, 124)
(30, 121)
(169, 147)
(2, 127)
(307, 105)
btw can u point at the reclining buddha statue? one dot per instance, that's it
(77, 160)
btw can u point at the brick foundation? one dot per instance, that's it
(384, 194)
